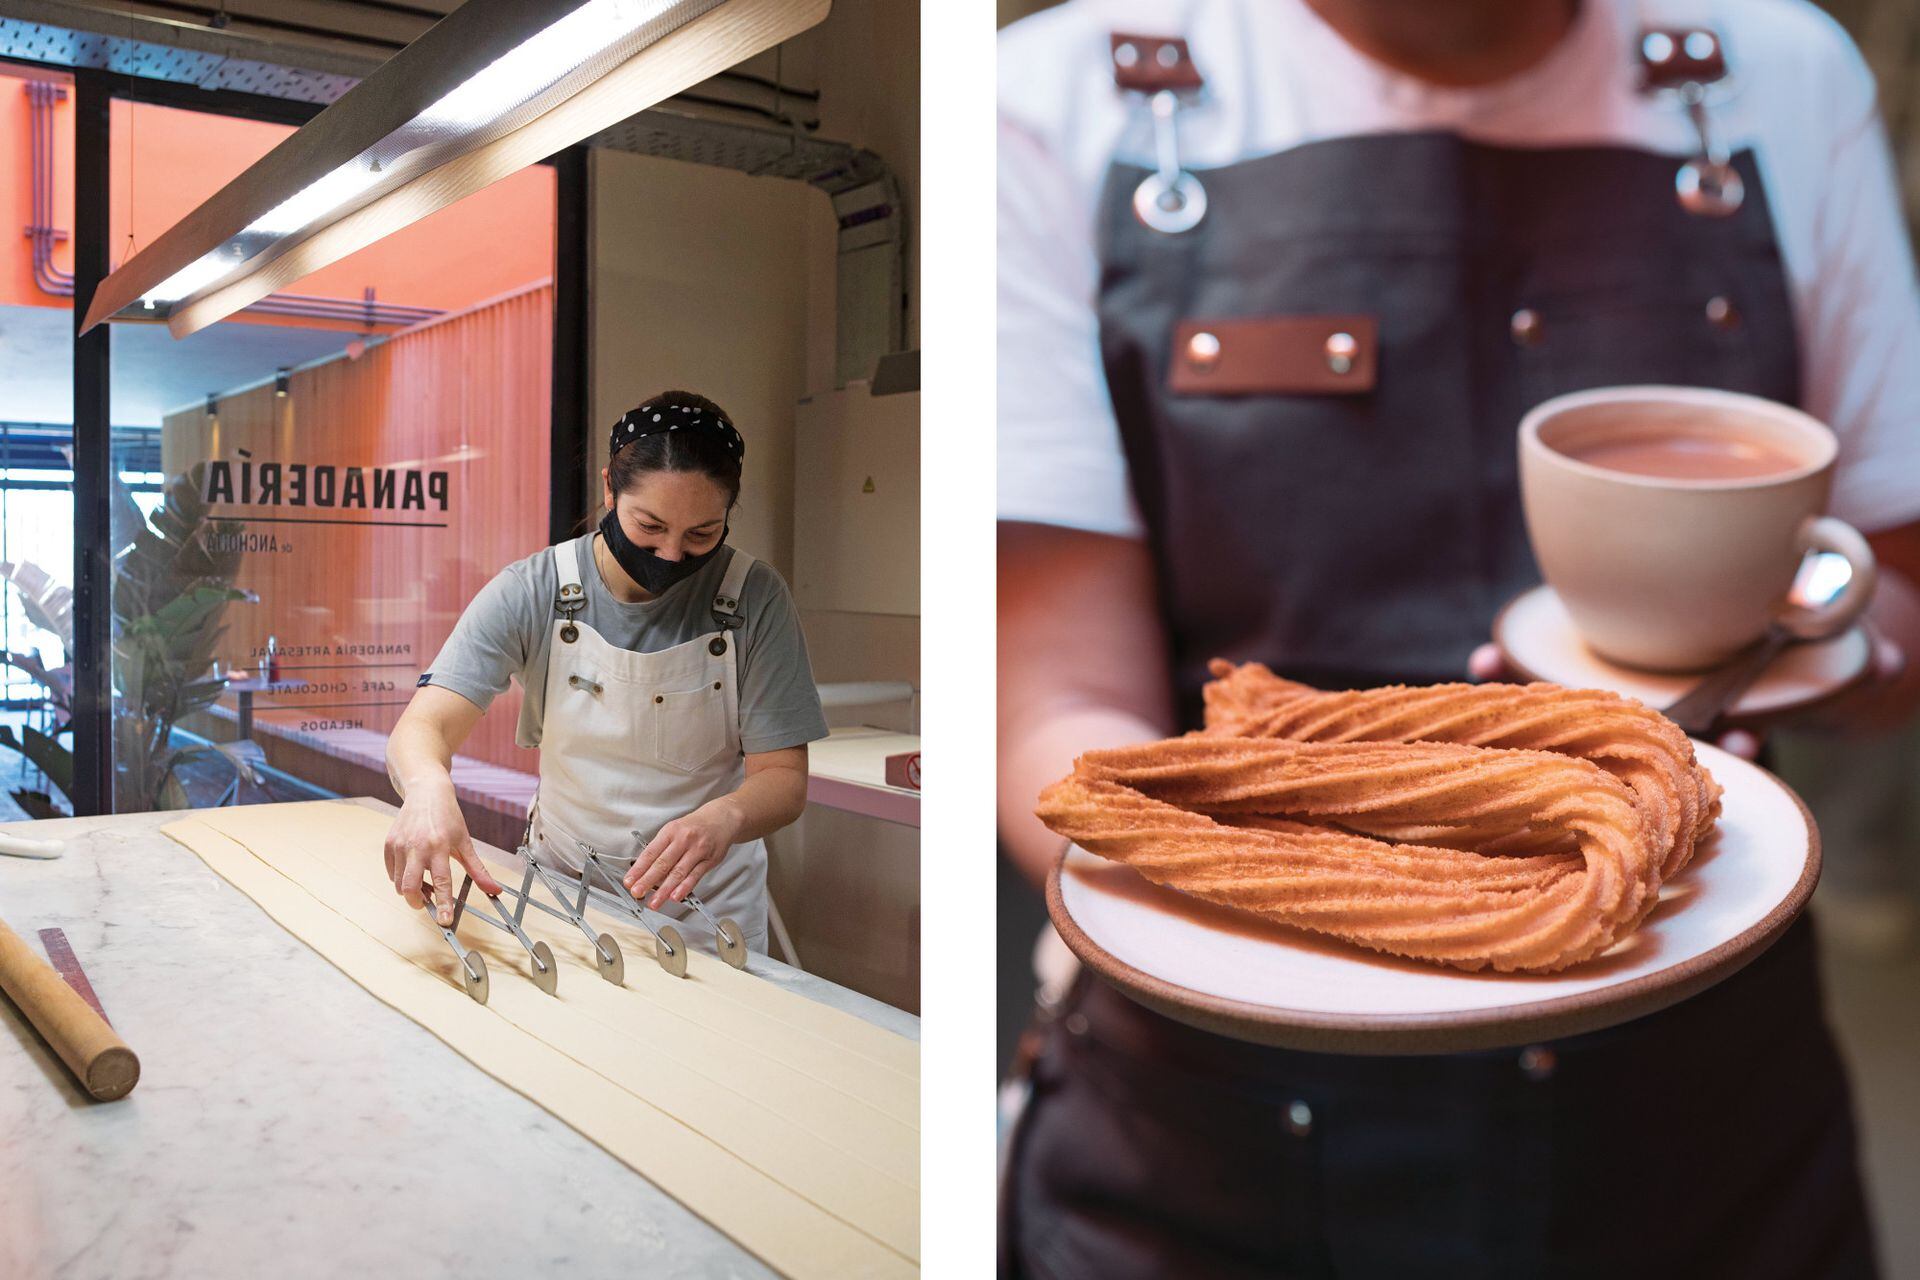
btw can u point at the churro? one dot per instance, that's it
(1243, 822)
(1524, 828)
(1638, 745)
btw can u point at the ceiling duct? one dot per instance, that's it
(493, 87)
(873, 221)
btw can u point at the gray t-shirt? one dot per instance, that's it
(507, 630)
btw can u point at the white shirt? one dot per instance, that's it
(1277, 76)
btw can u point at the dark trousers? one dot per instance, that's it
(1711, 1139)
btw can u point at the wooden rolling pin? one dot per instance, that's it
(107, 1069)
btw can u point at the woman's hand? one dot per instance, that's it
(683, 851)
(429, 833)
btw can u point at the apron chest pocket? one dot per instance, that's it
(690, 727)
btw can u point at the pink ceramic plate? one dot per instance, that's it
(1233, 973)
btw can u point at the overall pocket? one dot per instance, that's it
(690, 726)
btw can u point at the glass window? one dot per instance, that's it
(36, 434)
(337, 470)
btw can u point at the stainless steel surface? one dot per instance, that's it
(473, 965)
(610, 959)
(731, 945)
(473, 974)
(673, 951)
(618, 900)
(546, 974)
(728, 941)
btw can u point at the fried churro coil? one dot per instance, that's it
(1242, 822)
(1638, 745)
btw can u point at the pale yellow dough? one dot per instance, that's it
(792, 1127)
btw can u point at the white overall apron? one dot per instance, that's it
(630, 741)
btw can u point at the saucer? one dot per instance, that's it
(1234, 974)
(1537, 637)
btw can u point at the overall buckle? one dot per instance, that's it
(1683, 63)
(570, 601)
(1170, 200)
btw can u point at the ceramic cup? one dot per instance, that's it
(1673, 574)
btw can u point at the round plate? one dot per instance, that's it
(672, 956)
(546, 974)
(473, 976)
(1235, 974)
(614, 970)
(731, 943)
(1538, 640)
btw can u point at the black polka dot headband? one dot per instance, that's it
(650, 419)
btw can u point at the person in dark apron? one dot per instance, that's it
(1317, 359)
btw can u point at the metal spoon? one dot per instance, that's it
(1821, 579)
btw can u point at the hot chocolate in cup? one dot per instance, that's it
(1671, 520)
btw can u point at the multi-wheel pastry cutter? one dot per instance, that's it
(574, 897)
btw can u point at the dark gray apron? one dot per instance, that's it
(1364, 527)
(1372, 534)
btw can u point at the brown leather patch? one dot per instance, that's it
(1673, 56)
(1275, 355)
(1149, 64)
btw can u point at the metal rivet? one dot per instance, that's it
(1341, 349)
(1537, 1062)
(1709, 189)
(1657, 47)
(1299, 1118)
(1526, 326)
(1125, 55)
(1076, 1024)
(1699, 45)
(1203, 350)
(1722, 314)
(1168, 55)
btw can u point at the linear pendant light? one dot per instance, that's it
(493, 87)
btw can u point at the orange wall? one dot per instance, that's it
(166, 161)
(16, 193)
(470, 395)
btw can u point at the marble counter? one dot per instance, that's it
(287, 1124)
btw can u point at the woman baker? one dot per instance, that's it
(667, 688)
(1278, 279)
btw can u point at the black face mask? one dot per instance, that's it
(652, 573)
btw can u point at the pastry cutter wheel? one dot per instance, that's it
(473, 965)
(727, 938)
(669, 948)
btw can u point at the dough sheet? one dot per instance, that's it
(790, 1126)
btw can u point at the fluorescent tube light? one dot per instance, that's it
(535, 65)
(310, 204)
(193, 277)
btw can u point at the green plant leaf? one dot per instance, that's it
(38, 804)
(47, 755)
